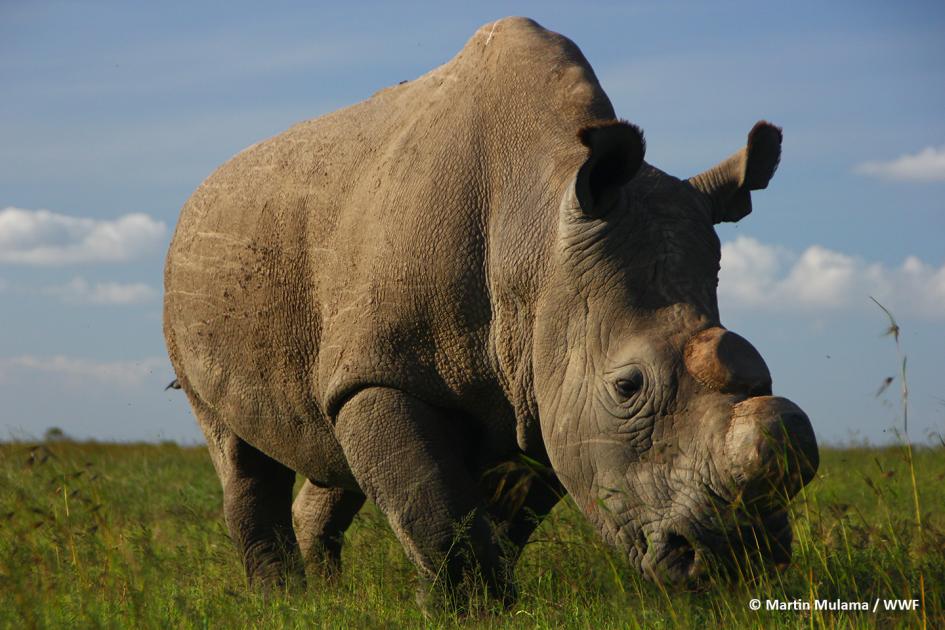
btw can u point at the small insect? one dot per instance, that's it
(885, 385)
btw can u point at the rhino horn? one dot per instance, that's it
(729, 183)
(724, 361)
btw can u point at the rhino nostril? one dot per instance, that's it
(672, 559)
(681, 552)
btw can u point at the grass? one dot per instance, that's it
(109, 535)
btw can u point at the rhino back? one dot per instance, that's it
(396, 242)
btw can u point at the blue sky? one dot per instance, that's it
(112, 113)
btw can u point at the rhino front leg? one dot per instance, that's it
(321, 515)
(404, 455)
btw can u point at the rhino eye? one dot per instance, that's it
(629, 385)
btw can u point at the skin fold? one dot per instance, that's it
(463, 298)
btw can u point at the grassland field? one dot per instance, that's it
(132, 536)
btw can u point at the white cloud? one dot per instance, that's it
(928, 165)
(79, 291)
(821, 278)
(80, 372)
(760, 276)
(41, 237)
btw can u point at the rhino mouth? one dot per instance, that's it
(695, 557)
(672, 558)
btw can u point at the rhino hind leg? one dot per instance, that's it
(404, 454)
(257, 504)
(321, 515)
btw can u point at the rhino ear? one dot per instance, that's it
(616, 153)
(729, 184)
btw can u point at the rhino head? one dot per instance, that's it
(659, 422)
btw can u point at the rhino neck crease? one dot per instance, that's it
(533, 92)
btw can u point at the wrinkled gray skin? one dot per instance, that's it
(401, 299)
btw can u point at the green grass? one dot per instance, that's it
(133, 536)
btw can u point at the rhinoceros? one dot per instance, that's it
(464, 298)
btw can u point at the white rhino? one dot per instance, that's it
(406, 299)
